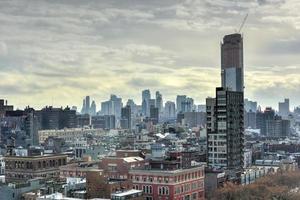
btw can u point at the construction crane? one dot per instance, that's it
(243, 23)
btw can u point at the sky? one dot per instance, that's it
(55, 52)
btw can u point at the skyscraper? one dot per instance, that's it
(232, 63)
(159, 101)
(83, 107)
(126, 117)
(225, 112)
(187, 105)
(146, 96)
(151, 103)
(250, 105)
(93, 108)
(179, 100)
(262, 118)
(87, 105)
(154, 115)
(284, 108)
(117, 105)
(169, 112)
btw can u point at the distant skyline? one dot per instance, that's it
(57, 52)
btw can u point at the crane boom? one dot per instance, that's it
(243, 23)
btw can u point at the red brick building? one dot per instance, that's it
(175, 184)
(118, 167)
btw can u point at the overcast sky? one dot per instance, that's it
(58, 51)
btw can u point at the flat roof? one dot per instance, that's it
(129, 192)
(38, 156)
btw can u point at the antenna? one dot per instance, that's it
(243, 23)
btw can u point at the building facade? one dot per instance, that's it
(21, 168)
(225, 129)
(175, 184)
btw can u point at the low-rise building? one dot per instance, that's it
(69, 135)
(20, 168)
(15, 191)
(118, 167)
(78, 170)
(128, 195)
(174, 184)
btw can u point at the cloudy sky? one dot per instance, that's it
(58, 51)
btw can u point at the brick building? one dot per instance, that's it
(20, 168)
(118, 167)
(78, 170)
(175, 184)
(99, 185)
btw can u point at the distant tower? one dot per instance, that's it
(232, 62)
(159, 101)
(146, 96)
(83, 107)
(284, 108)
(126, 117)
(87, 104)
(180, 99)
(93, 108)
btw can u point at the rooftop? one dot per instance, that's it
(126, 193)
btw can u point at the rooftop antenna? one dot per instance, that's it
(243, 23)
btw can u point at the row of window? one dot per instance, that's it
(147, 189)
(188, 187)
(179, 178)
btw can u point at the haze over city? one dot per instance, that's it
(57, 52)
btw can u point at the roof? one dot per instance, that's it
(133, 159)
(129, 192)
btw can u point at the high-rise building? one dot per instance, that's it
(87, 105)
(126, 117)
(57, 118)
(225, 129)
(170, 112)
(179, 101)
(151, 103)
(117, 105)
(159, 101)
(112, 107)
(250, 105)
(83, 107)
(187, 105)
(194, 119)
(146, 96)
(32, 125)
(154, 114)
(93, 108)
(4, 107)
(262, 117)
(284, 108)
(201, 108)
(103, 121)
(250, 119)
(232, 64)
(107, 108)
(277, 127)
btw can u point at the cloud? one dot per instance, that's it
(61, 50)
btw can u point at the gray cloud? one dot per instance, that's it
(71, 48)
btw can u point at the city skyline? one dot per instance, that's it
(120, 48)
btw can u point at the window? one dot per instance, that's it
(164, 190)
(194, 196)
(177, 190)
(147, 189)
(187, 197)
